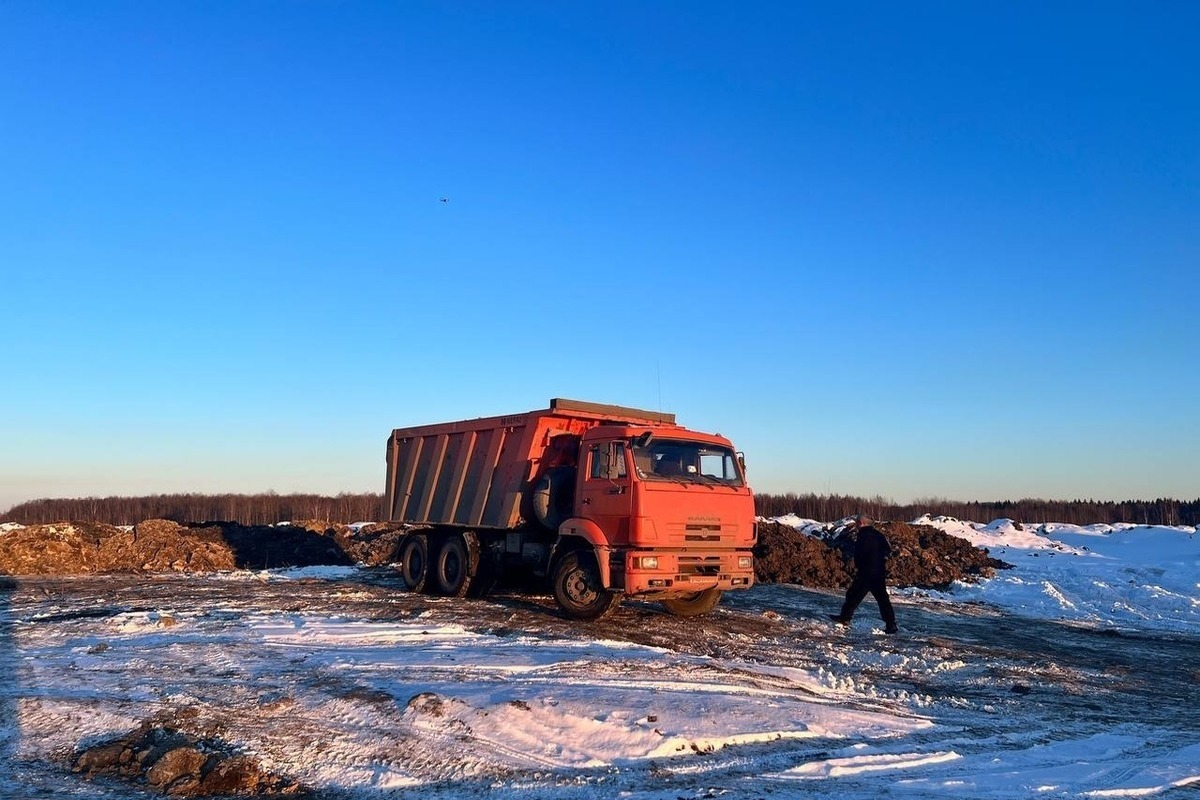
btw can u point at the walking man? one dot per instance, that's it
(871, 551)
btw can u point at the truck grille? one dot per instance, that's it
(702, 533)
(699, 565)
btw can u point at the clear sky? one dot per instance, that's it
(911, 250)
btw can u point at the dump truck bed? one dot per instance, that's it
(473, 473)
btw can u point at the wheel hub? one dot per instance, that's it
(579, 589)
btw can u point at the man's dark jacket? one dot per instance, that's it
(871, 551)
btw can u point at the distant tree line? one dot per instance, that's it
(247, 509)
(265, 509)
(826, 508)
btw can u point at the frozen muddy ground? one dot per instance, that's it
(340, 680)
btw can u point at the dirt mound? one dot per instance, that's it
(928, 558)
(181, 765)
(373, 545)
(157, 545)
(275, 546)
(785, 555)
(922, 557)
(72, 548)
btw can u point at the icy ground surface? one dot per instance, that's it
(341, 680)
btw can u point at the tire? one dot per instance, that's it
(694, 605)
(414, 562)
(455, 565)
(482, 585)
(554, 497)
(487, 575)
(577, 587)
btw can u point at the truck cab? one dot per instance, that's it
(667, 514)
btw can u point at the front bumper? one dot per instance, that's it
(651, 573)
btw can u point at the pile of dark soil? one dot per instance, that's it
(157, 545)
(274, 546)
(182, 765)
(922, 556)
(786, 555)
(927, 558)
(374, 545)
(74, 548)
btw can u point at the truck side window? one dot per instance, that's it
(608, 462)
(599, 463)
(618, 460)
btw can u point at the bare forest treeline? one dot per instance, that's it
(269, 508)
(246, 509)
(827, 508)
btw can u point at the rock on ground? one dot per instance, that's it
(178, 764)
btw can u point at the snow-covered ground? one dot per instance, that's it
(1121, 576)
(1075, 674)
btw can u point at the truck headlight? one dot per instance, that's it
(646, 562)
(745, 562)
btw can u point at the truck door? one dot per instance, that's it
(606, 498)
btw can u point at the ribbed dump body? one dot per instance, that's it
(475, 472)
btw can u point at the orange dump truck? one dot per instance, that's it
(601, 500)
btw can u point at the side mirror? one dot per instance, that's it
(741, 457)
(644, 439)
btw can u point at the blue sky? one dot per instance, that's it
(928, 249)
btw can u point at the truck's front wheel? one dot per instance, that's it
(414, 562)
(694, 605)
(577, 587)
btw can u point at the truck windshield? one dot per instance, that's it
(676, 460)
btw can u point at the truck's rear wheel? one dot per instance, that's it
(577, 587)
(694, 605)
(414, 562)
(455, 564)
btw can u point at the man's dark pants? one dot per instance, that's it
(876, 585)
